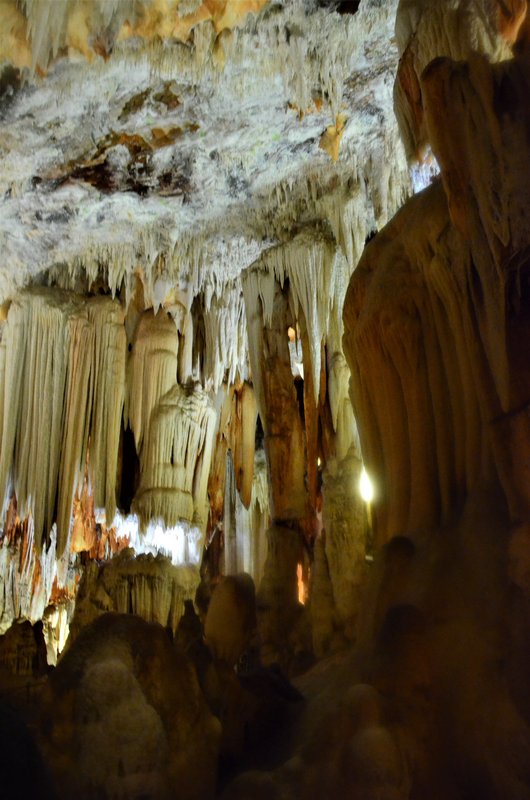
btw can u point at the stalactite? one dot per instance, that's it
(234, 540)
(46, 27)
(182, 246)
(176, 459)
(311, 419)
(342, 416)
(259, 516)
(225, 337)
(244, 529)
(284, 436)
(243, 436)
(152, 370)
(311, 265)
(258, 291)
(108, 377)
(31, 582)
(61, 351)
(216, 480)
(34, 384)
(238, 488)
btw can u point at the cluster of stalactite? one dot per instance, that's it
(71, 388)
(64, 386)
(121, 427)
(309, 435)
(36, 32)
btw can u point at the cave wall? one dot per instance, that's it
(435, 335)
(436, 311)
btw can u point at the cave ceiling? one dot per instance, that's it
(183, 139)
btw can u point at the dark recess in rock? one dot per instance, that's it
(9, 85)
(341, 6)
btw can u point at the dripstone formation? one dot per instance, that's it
(264, 391)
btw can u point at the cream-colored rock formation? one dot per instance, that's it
(249, 250)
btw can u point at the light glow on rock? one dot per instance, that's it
(182, 543)
(424, 173)
(301, 585)
(366, 487)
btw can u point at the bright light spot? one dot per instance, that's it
(301, 585)
(182, 543)
(319, 461)
(296, 356)
(424, 173)
(366, 489)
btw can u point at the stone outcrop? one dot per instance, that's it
(441, 291)
(435, 320)
(231, 619)
(124, 716)
(151, 588)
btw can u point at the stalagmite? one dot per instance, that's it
(409, 292)
(345, 526)
(128, 715)
(322, 608)
(31, 581)
(231, 618)
(278, 607)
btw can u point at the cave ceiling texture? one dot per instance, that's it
(264, 399)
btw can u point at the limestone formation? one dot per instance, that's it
(124, 716)
(254, 252)
(23, 651)
(60, 353)
(231, 618)
(151, 588)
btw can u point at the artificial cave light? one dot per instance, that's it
(301, 584)
(366, 487)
